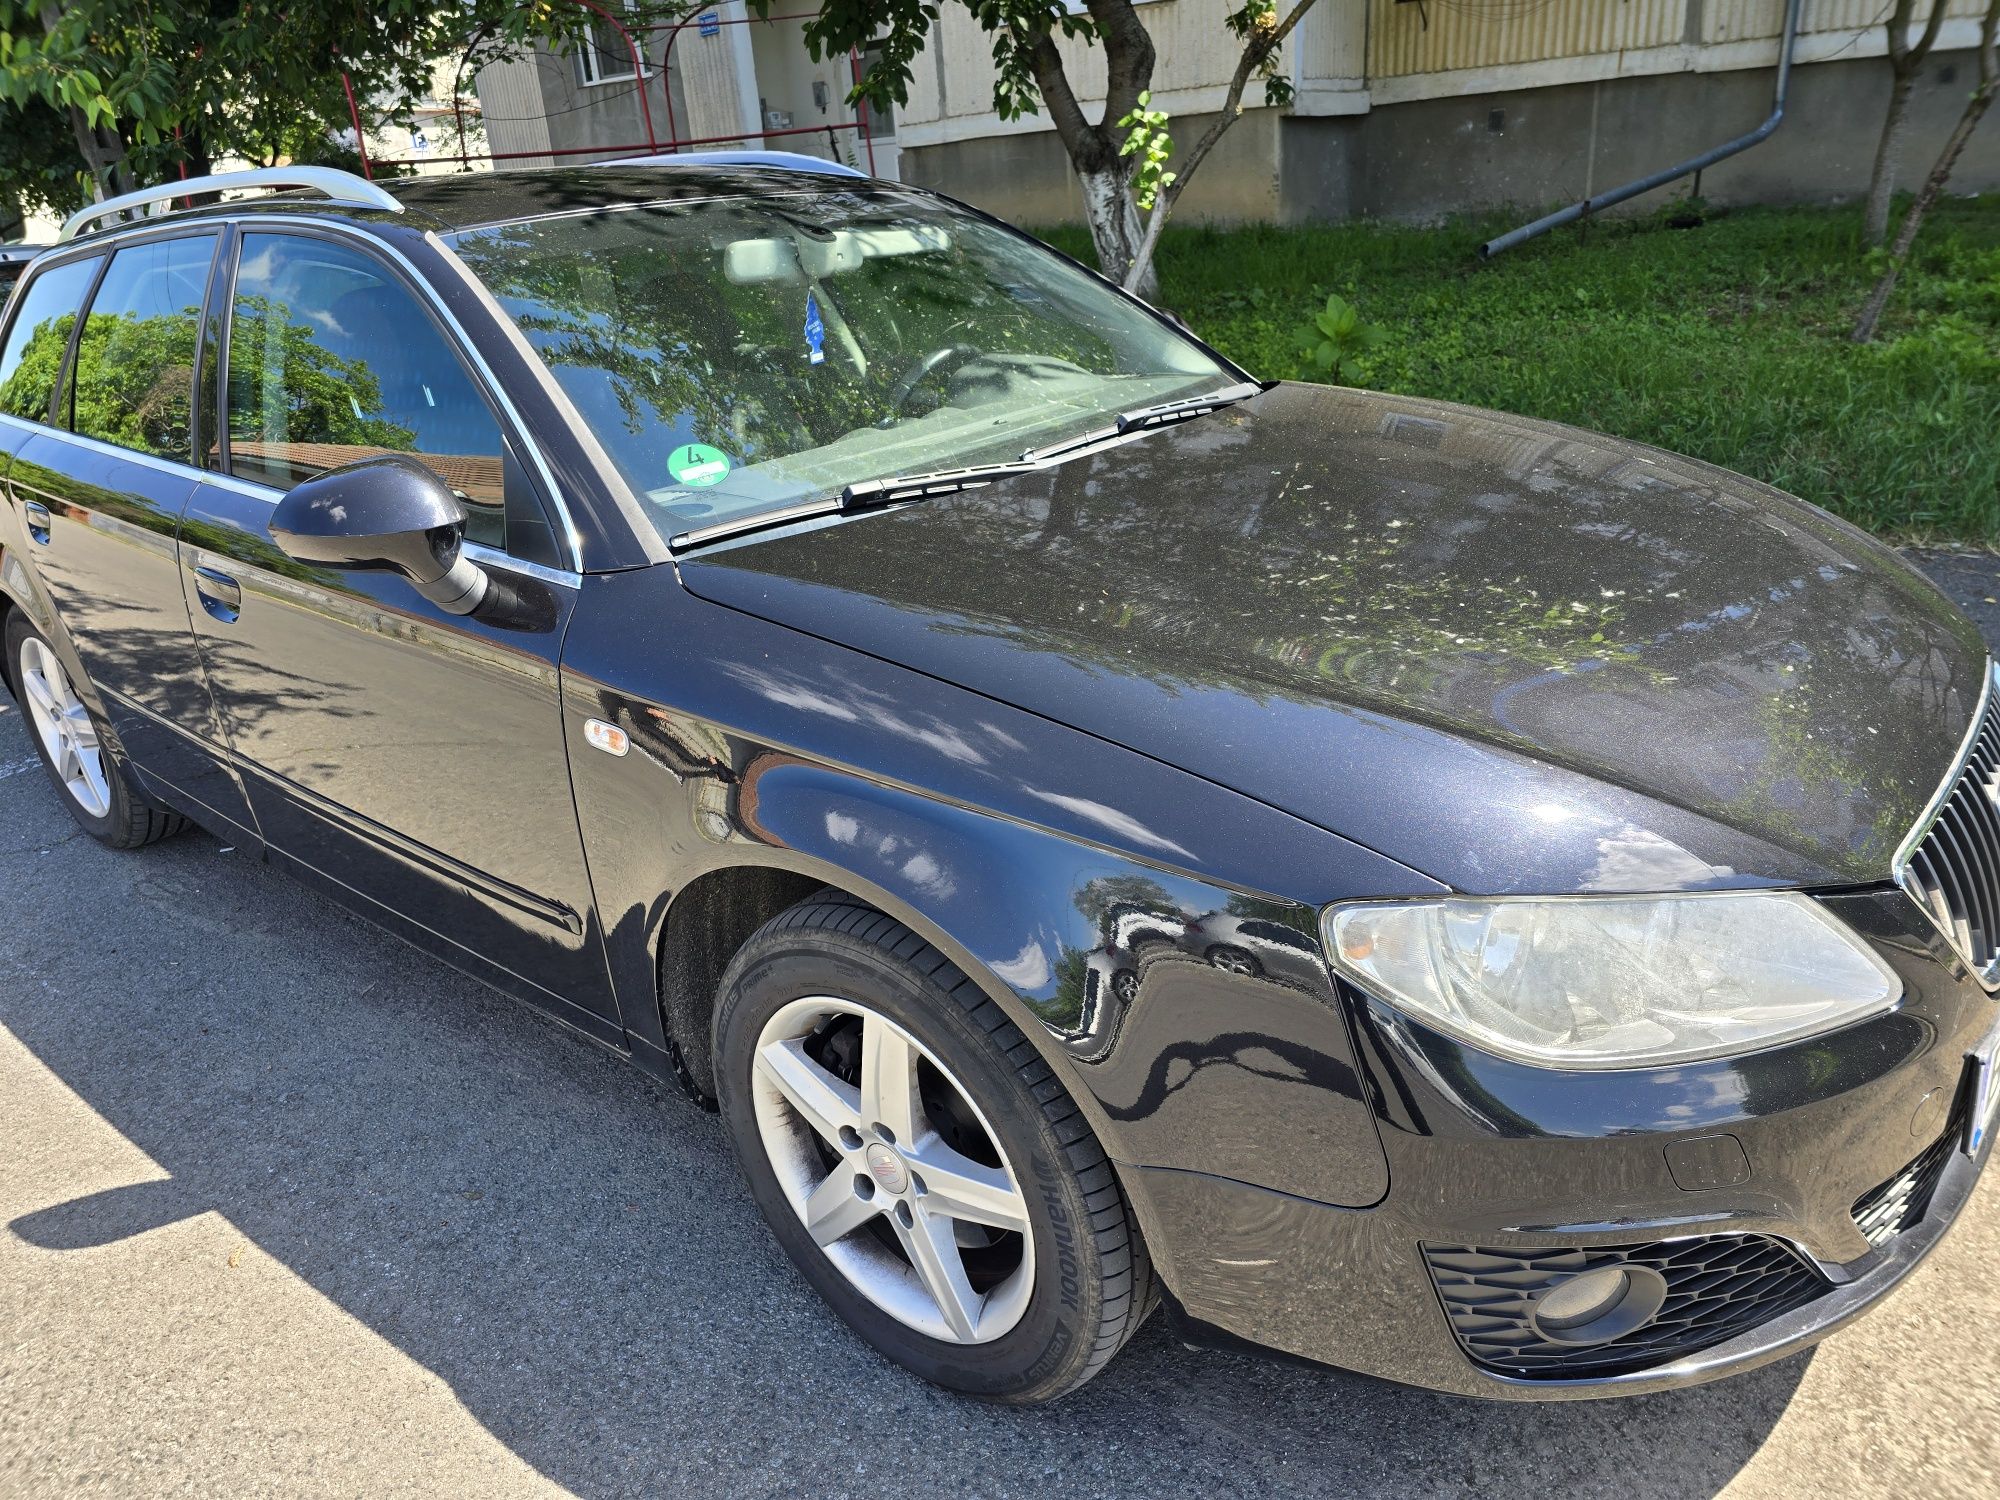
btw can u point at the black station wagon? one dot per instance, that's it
(1436, 893)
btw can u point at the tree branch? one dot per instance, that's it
(1260, 46)
(1923, 47)
(1905, 57)
(1933, 188)
(1899, 32)
(1255, 51)
(1089, 146)
(1128, 56)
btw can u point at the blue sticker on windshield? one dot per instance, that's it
(815, 331)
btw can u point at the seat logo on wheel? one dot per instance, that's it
(887, 1167)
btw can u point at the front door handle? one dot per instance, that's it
(39, 521)
(220, 595)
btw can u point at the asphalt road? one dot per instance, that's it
(287, 1208)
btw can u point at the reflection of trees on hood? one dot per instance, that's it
(1603, 607)
(1804, 764)
(1284, 567)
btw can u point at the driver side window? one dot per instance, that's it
(331, 359)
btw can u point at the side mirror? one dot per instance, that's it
(384, 515)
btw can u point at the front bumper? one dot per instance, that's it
(1523, 1162)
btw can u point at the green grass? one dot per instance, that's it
(1727, 341)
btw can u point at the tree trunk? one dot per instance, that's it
(102, 151)
(194, 149)
(1882, 184)
(103, 154)
(1104, 175)
(1258, 46)
(1115, 231)
(1933, 188)
(1905, 58)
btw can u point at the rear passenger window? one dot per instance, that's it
(32, 360)
(332, 360)
(134, 377)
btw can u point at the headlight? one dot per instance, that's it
(1614, 982)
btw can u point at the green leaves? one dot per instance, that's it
(170, 82)
(1256, 24)
(897, 29)
(1147, 139)
(1336, 334)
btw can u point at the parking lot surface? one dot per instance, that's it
(288, 1208)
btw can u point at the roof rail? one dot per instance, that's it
(340, 187)
(791, 161)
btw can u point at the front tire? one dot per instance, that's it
(919, 1162)
(74, 749)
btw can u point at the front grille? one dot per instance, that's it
(1954, 869)
(1718, 1286)
(1884, 1212)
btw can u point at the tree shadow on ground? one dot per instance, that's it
(573, 1252)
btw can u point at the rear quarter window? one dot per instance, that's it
(31, 361)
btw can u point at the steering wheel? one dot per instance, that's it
(923, 369)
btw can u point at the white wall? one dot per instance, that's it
(1348, 55)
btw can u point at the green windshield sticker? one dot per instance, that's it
(697, 464)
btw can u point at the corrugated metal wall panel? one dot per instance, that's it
(968, 62)
(513, 110)
(1750, 20)
(1333, 40)
(709, 87)
(1490, 33)
(1391, 39)
(1192, 50)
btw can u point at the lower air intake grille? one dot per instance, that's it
(1884, 1212)
(1717, 1286)
(1954, 869)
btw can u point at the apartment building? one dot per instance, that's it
(1403, 109)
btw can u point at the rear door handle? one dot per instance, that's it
(220, 595)
(39, 521)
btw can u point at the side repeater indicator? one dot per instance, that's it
(607, 737)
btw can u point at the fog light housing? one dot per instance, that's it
(1595, 1307)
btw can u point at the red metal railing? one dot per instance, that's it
(652, 145)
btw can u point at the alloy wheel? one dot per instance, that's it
(1232, 961)
(65, 727)
(893, 1170)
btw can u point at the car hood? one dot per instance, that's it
(1513, 655)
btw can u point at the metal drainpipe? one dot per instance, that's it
(1708, 158)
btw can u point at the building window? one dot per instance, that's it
(880, 118)
(602, 54)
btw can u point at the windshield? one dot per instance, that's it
(743, 355)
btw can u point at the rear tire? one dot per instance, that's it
(71, 743)
(1234, 960)
(810, 1009)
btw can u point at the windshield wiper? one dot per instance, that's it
(1162, 415)
(873, 494)
(868, 493)
(1180, 411)
(865, 494)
